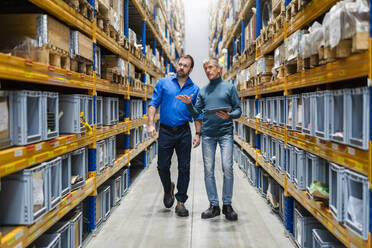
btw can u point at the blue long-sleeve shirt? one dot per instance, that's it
(216, 94)
(173, 112)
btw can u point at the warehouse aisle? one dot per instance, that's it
(142, 221)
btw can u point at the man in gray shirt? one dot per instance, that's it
(219, 103)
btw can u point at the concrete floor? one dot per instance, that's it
(141, 220)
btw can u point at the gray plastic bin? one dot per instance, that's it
(251, 108)
(274, 151)
(300, 169)
(101, 156)
(99, 206)
(5, 123)
(24, 196)
(50, 126)
(76, 230)
(322, 106)
(303, 225)
(358, 122)
(26, 117)
(264, 182)
(54, 168)
(63, 229)
(275, 110)
(322, 238)
(110, 111)
(298, 112)
(79, 168)
(48, 241)
(281, 203)
(316, 170)
(290, 162)
(336, 191)
(339, 105)
(106, 202)
(66, 174)
(70, 106)
(357, 203)
(99, 111)
(261, 109)
(281, 111)
(308, 124)
(111, 150)
(281, 158)
(290, 121)
(125, 179)
(90, 110)
(116, 189)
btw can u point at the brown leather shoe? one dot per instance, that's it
(181, 210)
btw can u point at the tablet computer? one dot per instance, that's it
(215, 110)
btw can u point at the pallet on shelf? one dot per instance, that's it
(83, 7)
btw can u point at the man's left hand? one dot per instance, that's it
(223, 115)
(196, 141)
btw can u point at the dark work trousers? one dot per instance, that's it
(181, 142)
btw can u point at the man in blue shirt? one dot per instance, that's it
(219, 102)
(174, 133)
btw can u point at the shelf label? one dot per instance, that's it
(351, 150)
(335, 146)
(38, 147)
(18, 153)
(56, 144)
(20, 245)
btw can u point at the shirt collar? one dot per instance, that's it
(216, 80)
(188, 82)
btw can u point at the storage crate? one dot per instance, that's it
(261, 109)
(125, 179)
(70, 106)
(106, 202)
(275, 110)
(98, 57)
(339, 105)
(303, 225)
(322, 238)
(273, 193)
(358, 121)
(99, 111)
(291, 102)
(322, 114)
(264, 181)
(66, 174)
(252, 172)
(76, 230)
(5, 121)
(336, 191)
(50, 122)
(48, 241)
(81, 45)
(281, 203)
(300, 169)
(290, 162)
(90, 114)
(357, 203)
(24, 196)
(298, 109)
(111, 150)
(316, 170)
(281, 158)
(101, 156)
(54, 168)
(26, 117)
(110, 111)
(251, 108)
(63, 229)
(308, 113)
(99, 206)
(116, 189)
(253, 137)
(274, 151)
(79, 168)
(281, 111)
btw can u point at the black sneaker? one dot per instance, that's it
(211, 212)
(168, 199)
(181, 210)
(229, 213)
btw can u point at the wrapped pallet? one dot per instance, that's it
(294, 45)
(112, 67)
(35, 36)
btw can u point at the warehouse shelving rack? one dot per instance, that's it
(17, 158)
(353, 67)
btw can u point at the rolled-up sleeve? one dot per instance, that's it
(157, 95)
(235, 103)
(194, 99)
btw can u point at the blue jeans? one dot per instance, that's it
(209, 145)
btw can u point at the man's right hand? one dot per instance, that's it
(151, 131)
(184, 98)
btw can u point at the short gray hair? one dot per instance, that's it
(214, 61)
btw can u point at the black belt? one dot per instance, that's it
(175, 128)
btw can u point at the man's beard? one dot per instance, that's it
(181, 75)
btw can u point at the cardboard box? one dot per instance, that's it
(81, 45)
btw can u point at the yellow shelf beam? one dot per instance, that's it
(23, 236)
